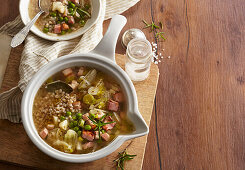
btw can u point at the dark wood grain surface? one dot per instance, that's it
(199, 116)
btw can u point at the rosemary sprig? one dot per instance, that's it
(161, 25)
(160, 35)
(99, 124)
(123, 156)
(152, 25)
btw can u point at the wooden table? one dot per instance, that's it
(199, 116)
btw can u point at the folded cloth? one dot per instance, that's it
(37, 52)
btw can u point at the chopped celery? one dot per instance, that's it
(88, 99)
(80, 139)
(81, 124)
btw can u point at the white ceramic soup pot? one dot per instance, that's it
(101, 58)
(24, 14)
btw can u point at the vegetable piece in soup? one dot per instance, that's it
(85, 120)
(64, 16)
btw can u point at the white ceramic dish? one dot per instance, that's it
(102, 58)
(96, 7)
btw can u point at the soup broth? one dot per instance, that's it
(84, 120)
(64, 16)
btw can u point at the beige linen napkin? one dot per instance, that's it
(38, 52)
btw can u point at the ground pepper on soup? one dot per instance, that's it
(85, 120)
(64, 16)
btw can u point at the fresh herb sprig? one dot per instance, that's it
(160, 35)
(123, 156)
(161, 25)
(155, 27)
(99, 124)
(81, 12)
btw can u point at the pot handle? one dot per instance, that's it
(107, 45)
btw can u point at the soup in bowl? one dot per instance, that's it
(63, 17)
(83, 118)
(97, 98)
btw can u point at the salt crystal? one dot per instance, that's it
(169, 56)
(159, 61)
(161, 56)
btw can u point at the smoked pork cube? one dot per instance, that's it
(85, 116)
(71, 20)
(67, 72)
(96, 134)
(44, 133)
(88, 145)
(80, 71)
(76, 105)
(109, 126)
(57, 29)
(74, 84)
(105, 136)
(88, 135)
(118, 97)
(113, 105)
(50, 126)
(93, 126)
(75, 1)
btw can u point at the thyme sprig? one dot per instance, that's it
(123, 156)
(99, 124)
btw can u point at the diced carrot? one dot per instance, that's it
(64, 26)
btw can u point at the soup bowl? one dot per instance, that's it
(24, 14)
(101, 58)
